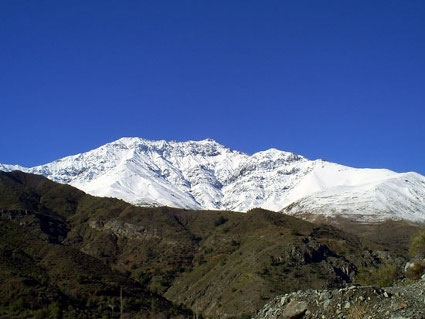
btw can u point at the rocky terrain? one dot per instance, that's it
(405, 301)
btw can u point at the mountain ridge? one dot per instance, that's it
(207, 175)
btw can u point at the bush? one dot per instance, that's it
(383, 276)
(417, 245)
(415, 269)
(358, 312)
(220, 221)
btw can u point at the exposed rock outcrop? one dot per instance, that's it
(123, 229)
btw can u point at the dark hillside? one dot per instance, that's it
(80, 251)
(41, 277)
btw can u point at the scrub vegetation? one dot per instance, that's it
(66, 254)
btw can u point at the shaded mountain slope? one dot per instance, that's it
(219, 264)
(41, 277)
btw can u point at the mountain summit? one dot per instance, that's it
(207, 175)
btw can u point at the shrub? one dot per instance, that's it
(417, 245)
(415, 269)
(383, 276)
(358, 312)
(220, 221)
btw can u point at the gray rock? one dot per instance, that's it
(325, 295)
(295, 310)
(326, 303)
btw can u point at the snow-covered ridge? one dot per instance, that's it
(207, 175)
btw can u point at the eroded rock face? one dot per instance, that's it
(123, 229)
(405, 301)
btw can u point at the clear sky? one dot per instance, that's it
(338, 80)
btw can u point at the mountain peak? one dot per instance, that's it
(207, 175)
(275, 154)
(134, 142)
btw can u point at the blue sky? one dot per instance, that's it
(339, 80)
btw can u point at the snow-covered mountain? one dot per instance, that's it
(207, 175)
